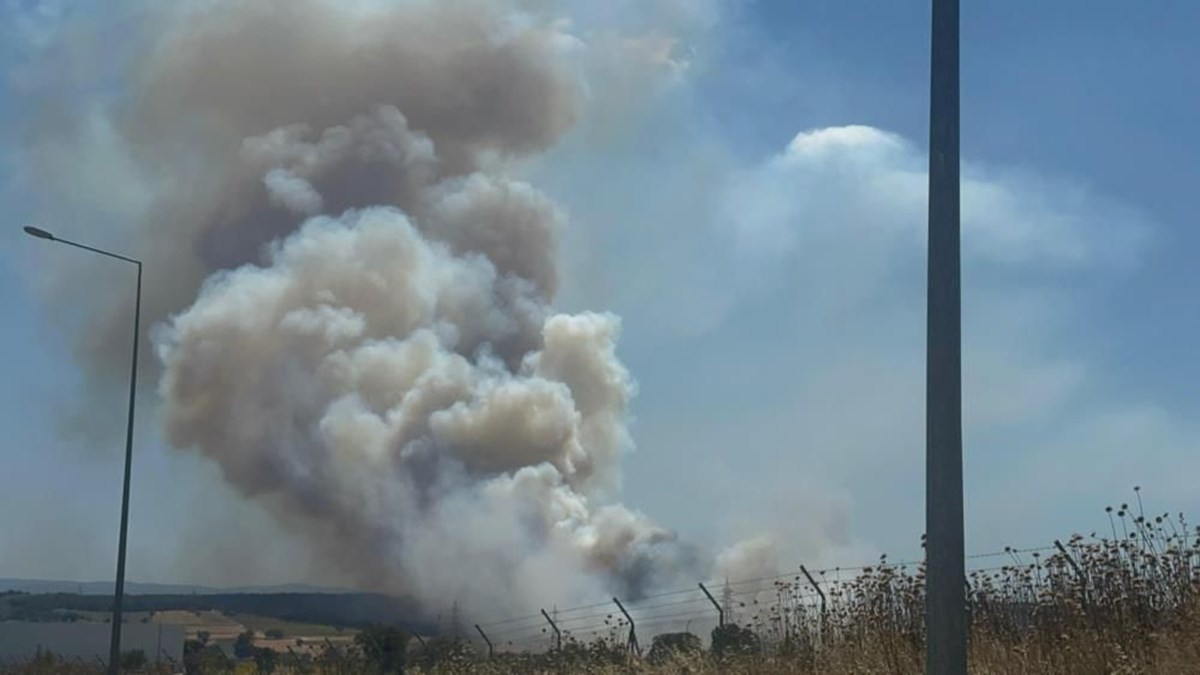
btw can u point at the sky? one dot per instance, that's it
(754, 210)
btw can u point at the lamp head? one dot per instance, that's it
(39, 233)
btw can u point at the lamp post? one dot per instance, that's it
(114, 654)
(946, 611)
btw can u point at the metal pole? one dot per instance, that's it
(491, 652)
(114, 652)
(823, 624)
(946, 614)
(119, 595)
(720, 612)
(633, 643)
(816, 587)
(557, 633)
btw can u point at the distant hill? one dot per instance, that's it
(139, 588)
(350, 610)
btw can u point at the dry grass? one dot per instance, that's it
(1128, 602)
(215, 624)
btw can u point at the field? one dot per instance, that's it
(314, 613)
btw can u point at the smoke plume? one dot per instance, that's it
(351, 294)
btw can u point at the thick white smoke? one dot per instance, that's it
(358, 374)
(352, 295)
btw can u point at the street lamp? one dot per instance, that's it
(114, 654)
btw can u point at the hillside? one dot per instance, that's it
(348, 610)
(143, 588)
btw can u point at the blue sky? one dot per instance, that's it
(771, 286)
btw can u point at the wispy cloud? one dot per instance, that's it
(33, 24)
(860, 180)
(815, 366)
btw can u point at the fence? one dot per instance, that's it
(1142, 583)
(792, 597)
(1152, 569)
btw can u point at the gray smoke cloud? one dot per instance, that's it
(352, 295)
(244, 116)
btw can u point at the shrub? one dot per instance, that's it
(668, 646)
(732, 640)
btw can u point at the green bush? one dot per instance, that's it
(733, 640)
(383, 646)
(667, 646)
(133, 660)
(243, 647)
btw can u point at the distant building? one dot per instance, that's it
(22, 640)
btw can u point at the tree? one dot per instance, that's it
(199, 657)
(667, 646)
(243, 647)
(133, 660)
(274, 634)
(383, 646)
(733, 640)
(265, 659)
(440, 651)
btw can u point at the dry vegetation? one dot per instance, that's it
(1124, 602)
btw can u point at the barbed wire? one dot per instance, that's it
(802, 591)
(774, 609)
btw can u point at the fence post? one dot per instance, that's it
(816, 587)
(296, 658)
(1083, 593)
(720, 612)
(557, 633)
(482, 634)
(336, 653)
(633, 643)
(822, 623)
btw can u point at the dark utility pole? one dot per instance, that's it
(114, 655)
(946, 612)
(114, 652)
